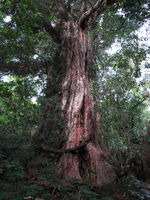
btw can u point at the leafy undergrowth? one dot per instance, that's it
(23, 176)
(26, 173)
(13, 186)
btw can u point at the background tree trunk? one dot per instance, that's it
(86, 158)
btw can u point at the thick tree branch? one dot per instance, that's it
(69, 150)
(22, 68)
(95, 11)
(86, 15)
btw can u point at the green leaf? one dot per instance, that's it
(93, 172)
(8, 4)
(85, 189)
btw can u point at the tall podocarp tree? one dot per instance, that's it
(69, 23)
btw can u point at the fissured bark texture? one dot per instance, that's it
(86, 158)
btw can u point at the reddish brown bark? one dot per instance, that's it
(78, 106)
(82, 156)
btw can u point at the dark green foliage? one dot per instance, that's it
(24, 36)
(20, 158)
(19, 118)
(137, 10)
(17, 107)
(133, 188)
(121, 98)
(122, 102)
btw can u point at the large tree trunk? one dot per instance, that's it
(84, 157)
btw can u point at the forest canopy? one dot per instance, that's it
(74, 107)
